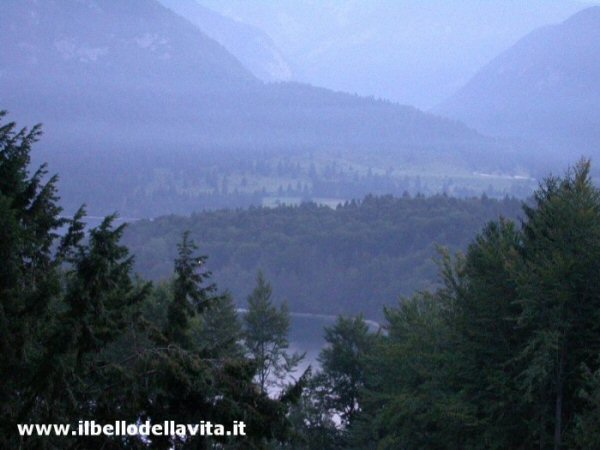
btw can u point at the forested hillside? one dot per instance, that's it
(143, 113)
(355, 258)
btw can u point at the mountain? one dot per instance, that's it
(133, 43)
(76, 64)
(255, 50)
(145, 114)
(412, 52)
(545, 88)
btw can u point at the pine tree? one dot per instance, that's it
(585, 431)
(189, 295)
(409, 400)
(313, 423)
(266, 331)
(332, 398)
(343, 360)
(82, 372)
(194, 368)
(80, 338)
(505, 354)
(29, 275)
(486, 339)
(219, 330)
(559, 292)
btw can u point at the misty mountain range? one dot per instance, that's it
(142, 106)
(411, 52)
(249, 44)
(545, 88)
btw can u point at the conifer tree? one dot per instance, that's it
(409, 400)
(505, 354)
(486, 338)
(266, 329)
(189, 295)
(219, 330)
(332, 398)
(29, 278)
(74, 341)
(559, 292)
(343, 359)
(83, 372)
(585, 432)
(194, 368)
(64, 304)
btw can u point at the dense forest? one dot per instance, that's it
(504, 354)
(82, 337)
(181, 182)
(351, 259)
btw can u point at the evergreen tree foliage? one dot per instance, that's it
(194, 367)
(266, 329)
(343, 360)
(481, 295)
(189, 296)
(313, 423)
(83, 372)
(29, 274)
(408, 402)
(358, 257)
(505, 354)
(333, 396)
(219, 330)
(559, 293)
(82, 337)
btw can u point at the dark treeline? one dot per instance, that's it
(504, 354)
(146, 184)
(82, 338)
(355, 258)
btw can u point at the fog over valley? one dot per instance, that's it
(345, 224)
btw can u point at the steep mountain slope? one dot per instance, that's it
(255, 50)
(136, 99)
(413, 52)
(96, 54)
(546, 88)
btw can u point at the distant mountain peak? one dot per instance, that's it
(131, 93)
(113, 36)
(546, 88)
(250, 45)
(587, 16)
